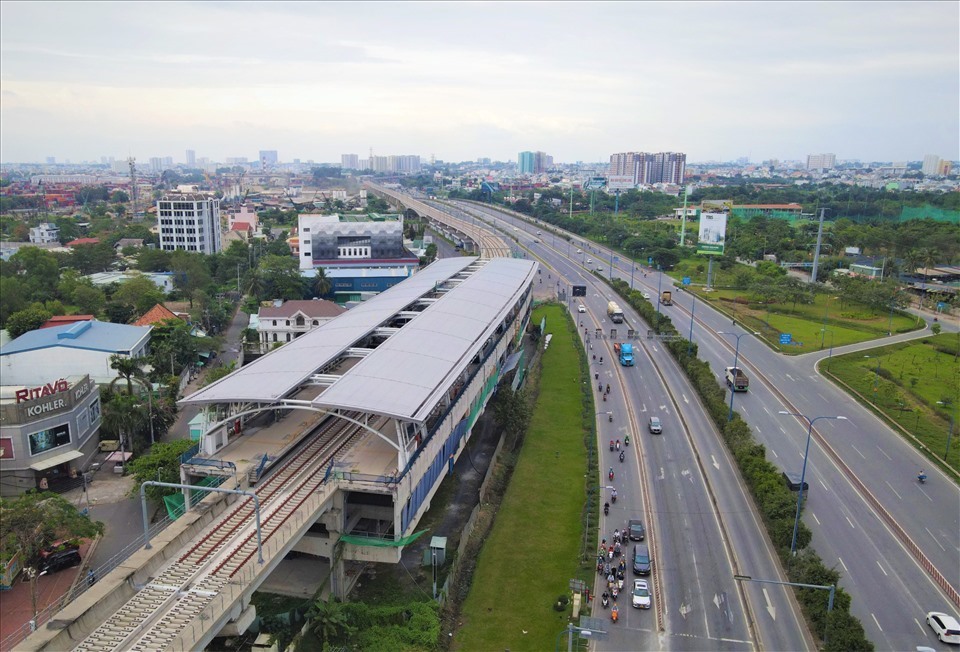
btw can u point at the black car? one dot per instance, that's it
(635, 530)
(59, 557)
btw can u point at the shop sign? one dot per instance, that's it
(49, 389)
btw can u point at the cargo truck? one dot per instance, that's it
(666, 298)
(624, 353)
(737, 380)
(614, 312)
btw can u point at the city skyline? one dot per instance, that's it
(720, 81)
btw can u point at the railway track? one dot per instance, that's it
(159, 613)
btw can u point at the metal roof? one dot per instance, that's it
(92, 335)
(404, 376)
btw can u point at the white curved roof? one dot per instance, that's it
(404, 376)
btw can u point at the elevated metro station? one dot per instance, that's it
(368, 412)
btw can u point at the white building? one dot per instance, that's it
(821, 161)
(83, 348)
(190, 222)
(45, 233)
(163, 280)
(329, 240)
(286, 321)
(931, 165)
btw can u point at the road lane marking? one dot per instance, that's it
(685, 399)
(790, 377)
(766, 410)
(925, 494)
(876, 621)
(894, 491)
(935, 540)
(815, 518)
(881, 568)
(884, 453)
(771, 450)
(850, 522)
(844, 565)
(716, 464)
(770, 608)
(758, 428)
(858, 451)
(822, 397)
(785, 432)
(822, 484)
(920, 626)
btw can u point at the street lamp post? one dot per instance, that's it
(823, 328)
(693, 308)
(803, 471)
(876, 378)
(950, 432)
(736, 357)
(831, 347)
(827, 587)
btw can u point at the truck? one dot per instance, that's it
(736, 379)
(624, 353)
(666, 298)
(614, 312)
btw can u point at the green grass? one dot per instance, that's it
(534, 548)
(849, 323)
(904, 382)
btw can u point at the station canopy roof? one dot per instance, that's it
(406, 375)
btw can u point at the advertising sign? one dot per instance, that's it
(45, 440)
(620, 182)
(713, 231)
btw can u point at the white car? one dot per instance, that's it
(646, 295)
(589, 261)
(581, 308)
(641, 594)
(944, 626)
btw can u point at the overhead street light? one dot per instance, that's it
(827, 587)
(803, 471)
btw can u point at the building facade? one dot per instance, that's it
(821, 161)
(349, 161)
(285, 321)
(47, 432)
(46, 233)
(268, 157)
(190, 222)
(647, 169)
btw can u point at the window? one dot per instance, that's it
(274, 337)
(306, 254)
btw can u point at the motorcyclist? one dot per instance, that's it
(614, 613)
(618, 444)
(621, 456)
(608, 388)
(606, 599)
(922, 476)
(606, 509)
(610, 473)
(613, 495)
(626, 440)
(611, 444)
(601, 359)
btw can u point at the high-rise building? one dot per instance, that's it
(533, 162)
(156, 164)
(821, 161)
(349, 161)
(931, 165)
(190, 222)
(407, 164)
(191, 158)
(646, 168)
(268, 157)
(945, 168)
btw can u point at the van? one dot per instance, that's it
(641, 559)
(792, 481)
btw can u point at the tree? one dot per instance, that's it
(89, 299)
(219, 372)
(34, 521)
(282, 277)
(26, 320)
(190, 273)
(161, 463)
(153, 260)
(128, 369)
(138, 293)
(126, 417)
(172, 346)
(14, 297)
(119, 197)
(90, 258)
(321, 283)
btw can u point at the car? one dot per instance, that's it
(641, 594)
(59, 555)
(655, 426)
(579, 251)
(581, 308)
(515, 229)
(635, 530)
(944, 626)
(589, 261)
(646, 295)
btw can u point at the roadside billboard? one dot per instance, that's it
(620, 182)
(713, 231)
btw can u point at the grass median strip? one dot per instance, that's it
(533, 550)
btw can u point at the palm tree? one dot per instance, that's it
(124, 415)
(321, 283)
(129, 369)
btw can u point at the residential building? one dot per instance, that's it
(821, 161)
(46, 431)
(66, 320)
(156, 164)
(190, 222)
(932, 165)
(349, 162)
(533, 162)
(285, 321)
(945, 168)
(191, 158)
(245, 215)
(73, 350)
(163, 280)
(648, 169)
(45, 233)
(406, 164)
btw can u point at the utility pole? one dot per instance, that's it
(134, 192)
(816, 254)
(683, 218)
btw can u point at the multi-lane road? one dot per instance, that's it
(865, 508)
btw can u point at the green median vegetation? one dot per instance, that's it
(545, 524)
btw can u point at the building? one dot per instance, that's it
(156, 164)
(647, 169)
(349, 162)
(191, 158)
(245, 215)
(821, 161)
(934, 166)
(404, 164)
(66, 320)
(268, 157)
(45, 233)
(533, 162)
(163, 280)
(190, 222)
(359, 254)
(945, 168)
(285, 321)
(47, 431)
(83, 348)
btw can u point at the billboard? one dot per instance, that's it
(713, 231)
(620, 182)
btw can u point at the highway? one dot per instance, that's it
(868, 471)
(702, 529)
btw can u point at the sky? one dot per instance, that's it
(875, 81)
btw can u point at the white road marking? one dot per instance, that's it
(925, 494)
(758, 428)
(935, 540)
(815, 518)
(850, 522)
(822, 485)
(766, 410)
(842, 564)
(894, 490)
(822, 397)
(770, 608)
(920, 626)
(858, 451)
(881, 568)
(877, 621)
(790, 377)
(716, 464)
(784, 431)
(884, 453)
(685, 399)
(771, 450)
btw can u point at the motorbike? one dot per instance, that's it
(611, 445)
(613, 499)
(618, 444)
(626, 440)
(621, 456)
(608, 388)
(610, 474)
(606, 509)
(922, 478)
(610, 417)
(614, 592)
(605, 599)
(614, 614)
